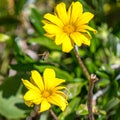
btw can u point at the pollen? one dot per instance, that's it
(68, 29)
(46, 94)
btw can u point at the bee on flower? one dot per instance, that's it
(68, 27)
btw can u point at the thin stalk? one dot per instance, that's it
(53, 114)
(92, 78)
(81, 63)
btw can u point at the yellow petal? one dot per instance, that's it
(62, 94)
(51, 36)
(59, 88)
(58, 100)
(76, 38)
(85, 28)
(67, 44)
(59, 38)
(32, 97)
(60, 11)
(84, 39)
(37, 79)
(54, 19)
(52, 29)
(44, 105)
(74, 11)
(58, 81)
(29, 103)
(89, 28)
(29, 85)
(49, 76)
(84, 18)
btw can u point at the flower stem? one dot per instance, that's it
(93, 78)
(53, 114)
(81, 63)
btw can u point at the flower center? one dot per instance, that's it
(46, 94)
(69, 29)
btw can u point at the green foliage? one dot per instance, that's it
(22, 43)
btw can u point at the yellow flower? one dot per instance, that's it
(68, 27)
(45, 91)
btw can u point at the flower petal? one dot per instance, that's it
(37, 79)
(50, 80)
(29, 85)
(84, 38)
(59, 38)
(54, 19)
(49, 76)
(84, 18)
(32, 97)
(60, 11)
(74, 11)
(67, 44)
(44, 105)
(58, 100)
(59, 88)
(58, 81)
(76, 38)
(52, 29)
(89, 28)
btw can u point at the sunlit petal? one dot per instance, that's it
(49, 78)
(52, 29)
(89, 28)
(54, 19)
(37, 79)
(59, 101)
(29, 85)
(76, 38)
(60, 11)
(44, 105)
(75, 11)
(67, 44)
(84, 18)
(33, 97)
(59, 38)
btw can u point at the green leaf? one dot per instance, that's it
(11, 85)
(75, 89)
(19, 5)
(41, 67)
(103, 82)
(23, 67)
(36, 18)
(44, 41)
(71, 108)
(82, 110)
(102, 74)
(59, 73)
(11, 107)
(112, 103)
(4, 37)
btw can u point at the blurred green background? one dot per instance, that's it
(22, 40)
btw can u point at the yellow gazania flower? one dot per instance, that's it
(44, 91)
(68, 27)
